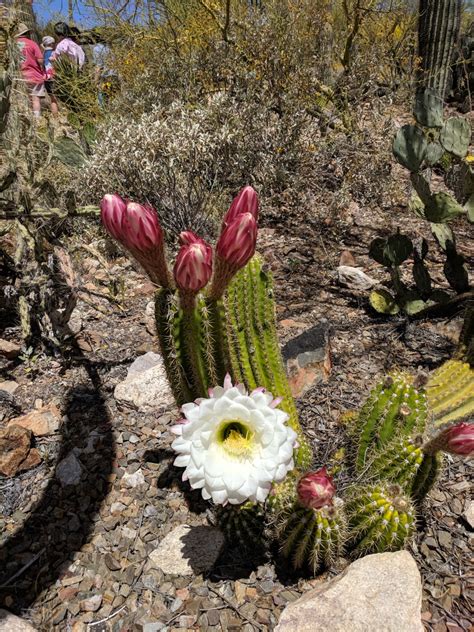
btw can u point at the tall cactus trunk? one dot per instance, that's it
(438, 33)
(24, 12)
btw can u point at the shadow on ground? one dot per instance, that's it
(32, 559)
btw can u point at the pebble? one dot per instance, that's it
(91, 604)
(133, 480)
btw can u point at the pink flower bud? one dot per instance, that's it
(187, 237)
(193, 267)
(112, 212)
(237, 242)
(459, 439)
(141, 228)
(316, 489)
(245, 202)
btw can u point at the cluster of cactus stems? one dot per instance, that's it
(216, 315)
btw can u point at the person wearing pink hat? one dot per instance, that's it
(31, 66)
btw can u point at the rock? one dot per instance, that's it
(308, 359)
(9, 386)
(9, 350)
(11, 623)
(188, 550)
(150, 324)
(469, 514)
(133, 480)
(91, 604)
(69, 470)
(355, 278)
(379, 592)
(146, 386)
(15, 453)
(42, 422)
(347, 259)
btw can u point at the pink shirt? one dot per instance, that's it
(31, 59)
(71, 49)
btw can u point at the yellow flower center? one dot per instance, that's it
(236, 438)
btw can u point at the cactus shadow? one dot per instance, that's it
(61, 522)
(171, 478)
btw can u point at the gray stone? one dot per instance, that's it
(11, 623)
(308, 358)
(69, 470)
(355, 278)
(146, 386)
(153, 627)
(133, 480)
(91, 604)
(188, 550)
(379, 592)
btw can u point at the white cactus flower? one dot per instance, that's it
(234, 445)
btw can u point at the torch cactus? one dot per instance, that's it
(242, 445)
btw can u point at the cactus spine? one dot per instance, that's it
(381, 518)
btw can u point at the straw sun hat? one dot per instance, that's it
(22, 29)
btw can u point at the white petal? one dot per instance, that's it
(219, 497)
(182, 460)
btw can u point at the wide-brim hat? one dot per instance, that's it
(22, 29)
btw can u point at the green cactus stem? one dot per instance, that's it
(450, 393)
(398, 462)
(394, 407)
(312, 537)
(252, 339)
(282, 495)
(169, 328)
(242, 525)
(381, 518)
(438, 31)
(456, 136)
(426, 475)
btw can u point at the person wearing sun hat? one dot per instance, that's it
(31, 66)
(47, 44)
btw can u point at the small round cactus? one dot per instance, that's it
(313, 537)
(381, 518)
(242, 524)
(399, 462)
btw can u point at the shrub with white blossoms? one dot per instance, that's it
(234, 445)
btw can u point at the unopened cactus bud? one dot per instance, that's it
(193, 267)
(142, 230)
(316, 489)
(187, 237)
(137, 228)
(112, 212)
(245, 202)
(237, 242)
(235, 248)
(458, 439)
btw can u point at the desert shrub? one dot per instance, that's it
(187, 160)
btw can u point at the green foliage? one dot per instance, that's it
(418, 149)
(383, 302)
(68, 152)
